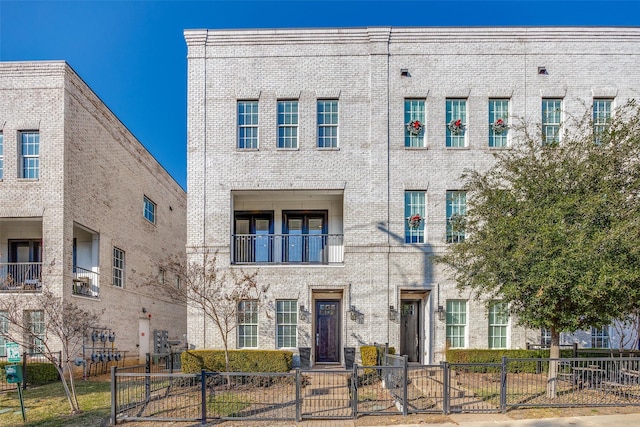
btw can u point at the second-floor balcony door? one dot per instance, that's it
(25, 257)
(306, 236)
(253, 237)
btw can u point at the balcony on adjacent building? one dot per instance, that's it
(302, 227)
(86, 276)
(20, 254)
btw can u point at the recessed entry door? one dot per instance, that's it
(327, 331)
(410, 329)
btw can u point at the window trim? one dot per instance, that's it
(545, 125)
(504, 136)
(149, 209)
(293, 323)
(22, 157)
(450, 324)
(493, 324)
(419, 234)
(118, 270)
(601, 122)
(241, 323)
(242, 125)
(324, 125)
(449, 116)
(411, 114)
(282, 124)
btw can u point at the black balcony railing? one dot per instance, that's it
(86, 283)
(287, 248)
(20, 276)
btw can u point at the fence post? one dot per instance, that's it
(575, 349)
(114, 396)
(503, 385)
(445, 387)
(354, 391)
(147, 378)
(298, 399)
(203, 396)
(405, 387)
(24, 370)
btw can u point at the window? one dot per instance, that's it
(248, 124)
(149, 210)
(456, 323)
(414, 122)
(414, 205)
(551, 120)
(287, 124)
(498, 320)
(600, 337)
(305, 236)
(601, 117)
(456, 210)
(287, 323)
(248, 324)
(1, 156)
(456, 122)
(30, 155)
(4, 328)
(498, 122)
(118, 267)
(328, 123)
(545, 337)
(35, 329)
(253, 238)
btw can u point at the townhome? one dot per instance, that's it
(331, 161)
(85, 210)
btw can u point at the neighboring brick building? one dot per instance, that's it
(310, 150)
(85, 209)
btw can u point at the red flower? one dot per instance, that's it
(458, 122)
(416, 124)
(499, 122)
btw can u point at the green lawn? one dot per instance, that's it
(47, 405)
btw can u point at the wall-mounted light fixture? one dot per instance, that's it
(393, 313)
(442, 315)
(542, 71)
(353, 313)
(144, 310)
(404, 72)
(301, 309)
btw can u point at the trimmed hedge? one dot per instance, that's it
(495, 356)
(369, 354)
(194, 361)
(37, 372)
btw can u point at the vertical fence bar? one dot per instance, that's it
(24, 370)
(114, 396)
(203, 396)
(405, 387)
(354, 391)
(147, 378)
(445, 388)
(298, 397)
(503, 385)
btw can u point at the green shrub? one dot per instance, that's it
(495, 356)
(37, 373)
(239, 360)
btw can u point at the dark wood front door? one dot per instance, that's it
(410, 329)
(327, 331)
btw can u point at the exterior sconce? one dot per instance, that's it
(301, 309)
(393, 313)
(442, 315)
(144, 310)
(353, 313)
(404, 72)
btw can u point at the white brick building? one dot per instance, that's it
(301, 163)
(84, 208)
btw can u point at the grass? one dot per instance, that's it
(227, 404)
(47, 405)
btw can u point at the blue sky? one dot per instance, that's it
(133, 55)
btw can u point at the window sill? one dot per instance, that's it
(415, 148)
(458, 148)
(288, 149)
(328, 148)
(247, 149)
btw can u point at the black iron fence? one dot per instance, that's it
(396, 387)
(27, 359)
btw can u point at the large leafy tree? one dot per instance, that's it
(553, 229)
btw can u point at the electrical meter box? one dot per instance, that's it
(13, 373)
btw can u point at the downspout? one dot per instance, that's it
(204, 183)
(388, 187)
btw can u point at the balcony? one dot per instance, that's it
(314, 249)
(86, 283)
(20, 277)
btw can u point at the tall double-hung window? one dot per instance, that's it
(600, 337)
(456, 122)
(498, 322)
(601, 118)
(414, 120)
(414, 214)
(149, 210)
(30, 154)
(287, 323)
(36, 331)
(456, 323)
(327, 123)
(498, 122)
(456, 211)
(551, 120)
(248, 124)
(287, 124)
(118, 267)
(248, 324)
(4, 328)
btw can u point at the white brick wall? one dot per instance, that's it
(372, 166)
(94, 174)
